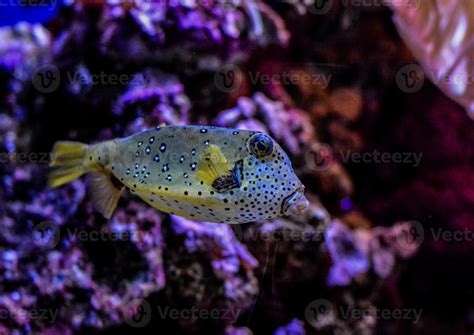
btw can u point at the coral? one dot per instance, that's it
(289, 126)
(64, 269)
(9, 134)
(354, 252)
(23, 48)
(209, 268)
(295, 327)
(349, 257)
(174, 32)
(30, 220)
(177, 30)
(151, 99)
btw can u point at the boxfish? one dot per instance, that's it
(199, 172)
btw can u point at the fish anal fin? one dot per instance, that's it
(105, 192)
(213, 165)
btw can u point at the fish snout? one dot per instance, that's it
(299, 207)
(295, 204)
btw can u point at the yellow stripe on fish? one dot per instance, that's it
(202, 173)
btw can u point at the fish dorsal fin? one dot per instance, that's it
(213, 165)
(105, 192)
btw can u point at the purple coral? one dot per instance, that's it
(289, 126)
(295, 327)
(349, 257)
(150, 100)
(211, 237)
(201, 253)
(24, 48)
(174, 32)
(355, 251)
(45, 224)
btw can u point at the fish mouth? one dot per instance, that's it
(296, 203)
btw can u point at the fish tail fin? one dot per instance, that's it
(67, 161)
(70, 161)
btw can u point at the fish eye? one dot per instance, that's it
(260, 145)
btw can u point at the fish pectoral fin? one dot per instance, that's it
(213, 165)
(233, 179)
(105, 192)
(214, 170)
